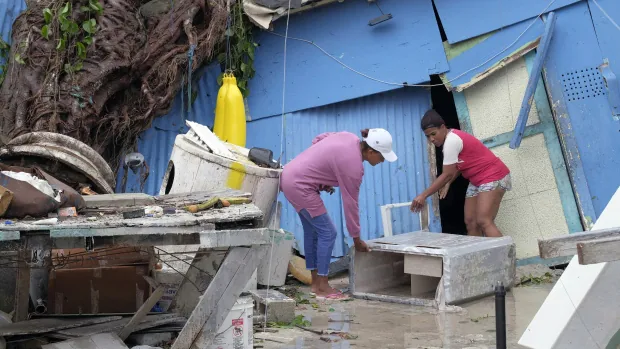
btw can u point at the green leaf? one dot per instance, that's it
(90, 26)
(68, 68)
(244, 67)
(228, 32)
(66, 9)
(221, 57)
(85, 9)
(220, 79)
(242, 84)
(65, 24)
(88, 40)
(4, 45)
(45, 32)
(78, 66)
(61, 44)
(19, 59)
(74, 28)
(251, 52)
(47, 14)
(81, 50)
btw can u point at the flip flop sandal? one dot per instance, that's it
(334, 296)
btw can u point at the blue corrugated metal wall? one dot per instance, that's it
(156, 143)
(9, 10)
(399, 112)
(406, 48)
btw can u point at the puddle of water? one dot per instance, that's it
(376, 325)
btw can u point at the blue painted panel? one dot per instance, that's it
(586, 124)
(464, 20)
(9, 10)
(607, 35)
(407, 48)
(399, 112)
(266, 133)
(156, 143)
(490, 47)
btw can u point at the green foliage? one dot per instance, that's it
(71, 36)
(298, 321)
(242, 47)
(4, 59)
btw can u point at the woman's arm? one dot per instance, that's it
(452, 147)
(350, 191)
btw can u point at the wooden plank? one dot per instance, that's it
(22, 284)
(203, 269)
(423, 265)
(141, 313)
(116, 325)
(528, 98)
(220, 297)
(118, 200)
(50, 325)
(567, 245)
(184, 199)
(98, 341)
(599, 251)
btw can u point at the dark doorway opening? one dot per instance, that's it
(452, 207)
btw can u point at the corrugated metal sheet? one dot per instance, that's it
(472, 53)
(9, 10)
(406, 48)
(399, 112)
(464, 20)
(156, 143)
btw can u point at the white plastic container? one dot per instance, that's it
(237, 332)
(192, 169)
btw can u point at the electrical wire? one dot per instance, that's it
(606, 14)
(414, 85)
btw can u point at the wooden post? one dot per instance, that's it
(599, 251)
(142, 312)
(220, 296)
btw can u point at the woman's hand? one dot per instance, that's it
(360, 245)
(418, 203)
(326, 188)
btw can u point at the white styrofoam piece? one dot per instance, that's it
(581, 309)
(211, 140)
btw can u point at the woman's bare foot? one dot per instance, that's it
(315, 282)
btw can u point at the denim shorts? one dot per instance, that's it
(504, 183)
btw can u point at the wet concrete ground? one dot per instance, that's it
(379, 325)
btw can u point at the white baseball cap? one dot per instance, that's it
(381, 141)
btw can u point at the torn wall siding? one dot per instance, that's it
(488, 48)
(535, 207)
(463, 20)
(407, 49)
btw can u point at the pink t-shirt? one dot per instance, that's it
(335, 160)
(475, 161)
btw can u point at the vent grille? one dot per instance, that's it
(583, 84)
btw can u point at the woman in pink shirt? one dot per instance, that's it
(335, 159)
(488, 176)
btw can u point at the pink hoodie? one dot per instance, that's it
(335, 160)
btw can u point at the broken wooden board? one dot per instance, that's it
(184, 199)
(567, 245)
(141, 313)
(118, 200)
(220, 296)
(599, 251)
(98, 341)
(51, 325)
(117, 325)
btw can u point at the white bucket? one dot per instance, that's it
(237, 332)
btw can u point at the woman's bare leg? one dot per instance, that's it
(486, 211)
(470, 217)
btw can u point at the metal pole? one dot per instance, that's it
(500, 315)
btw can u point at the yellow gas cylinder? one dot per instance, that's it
(220, 108)
(234, 124)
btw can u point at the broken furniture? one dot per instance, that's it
(581, 309)
(432, 269)
(233, 228)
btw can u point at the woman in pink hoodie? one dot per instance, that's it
(335, 159)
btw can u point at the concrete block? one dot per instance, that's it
(279, 307)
